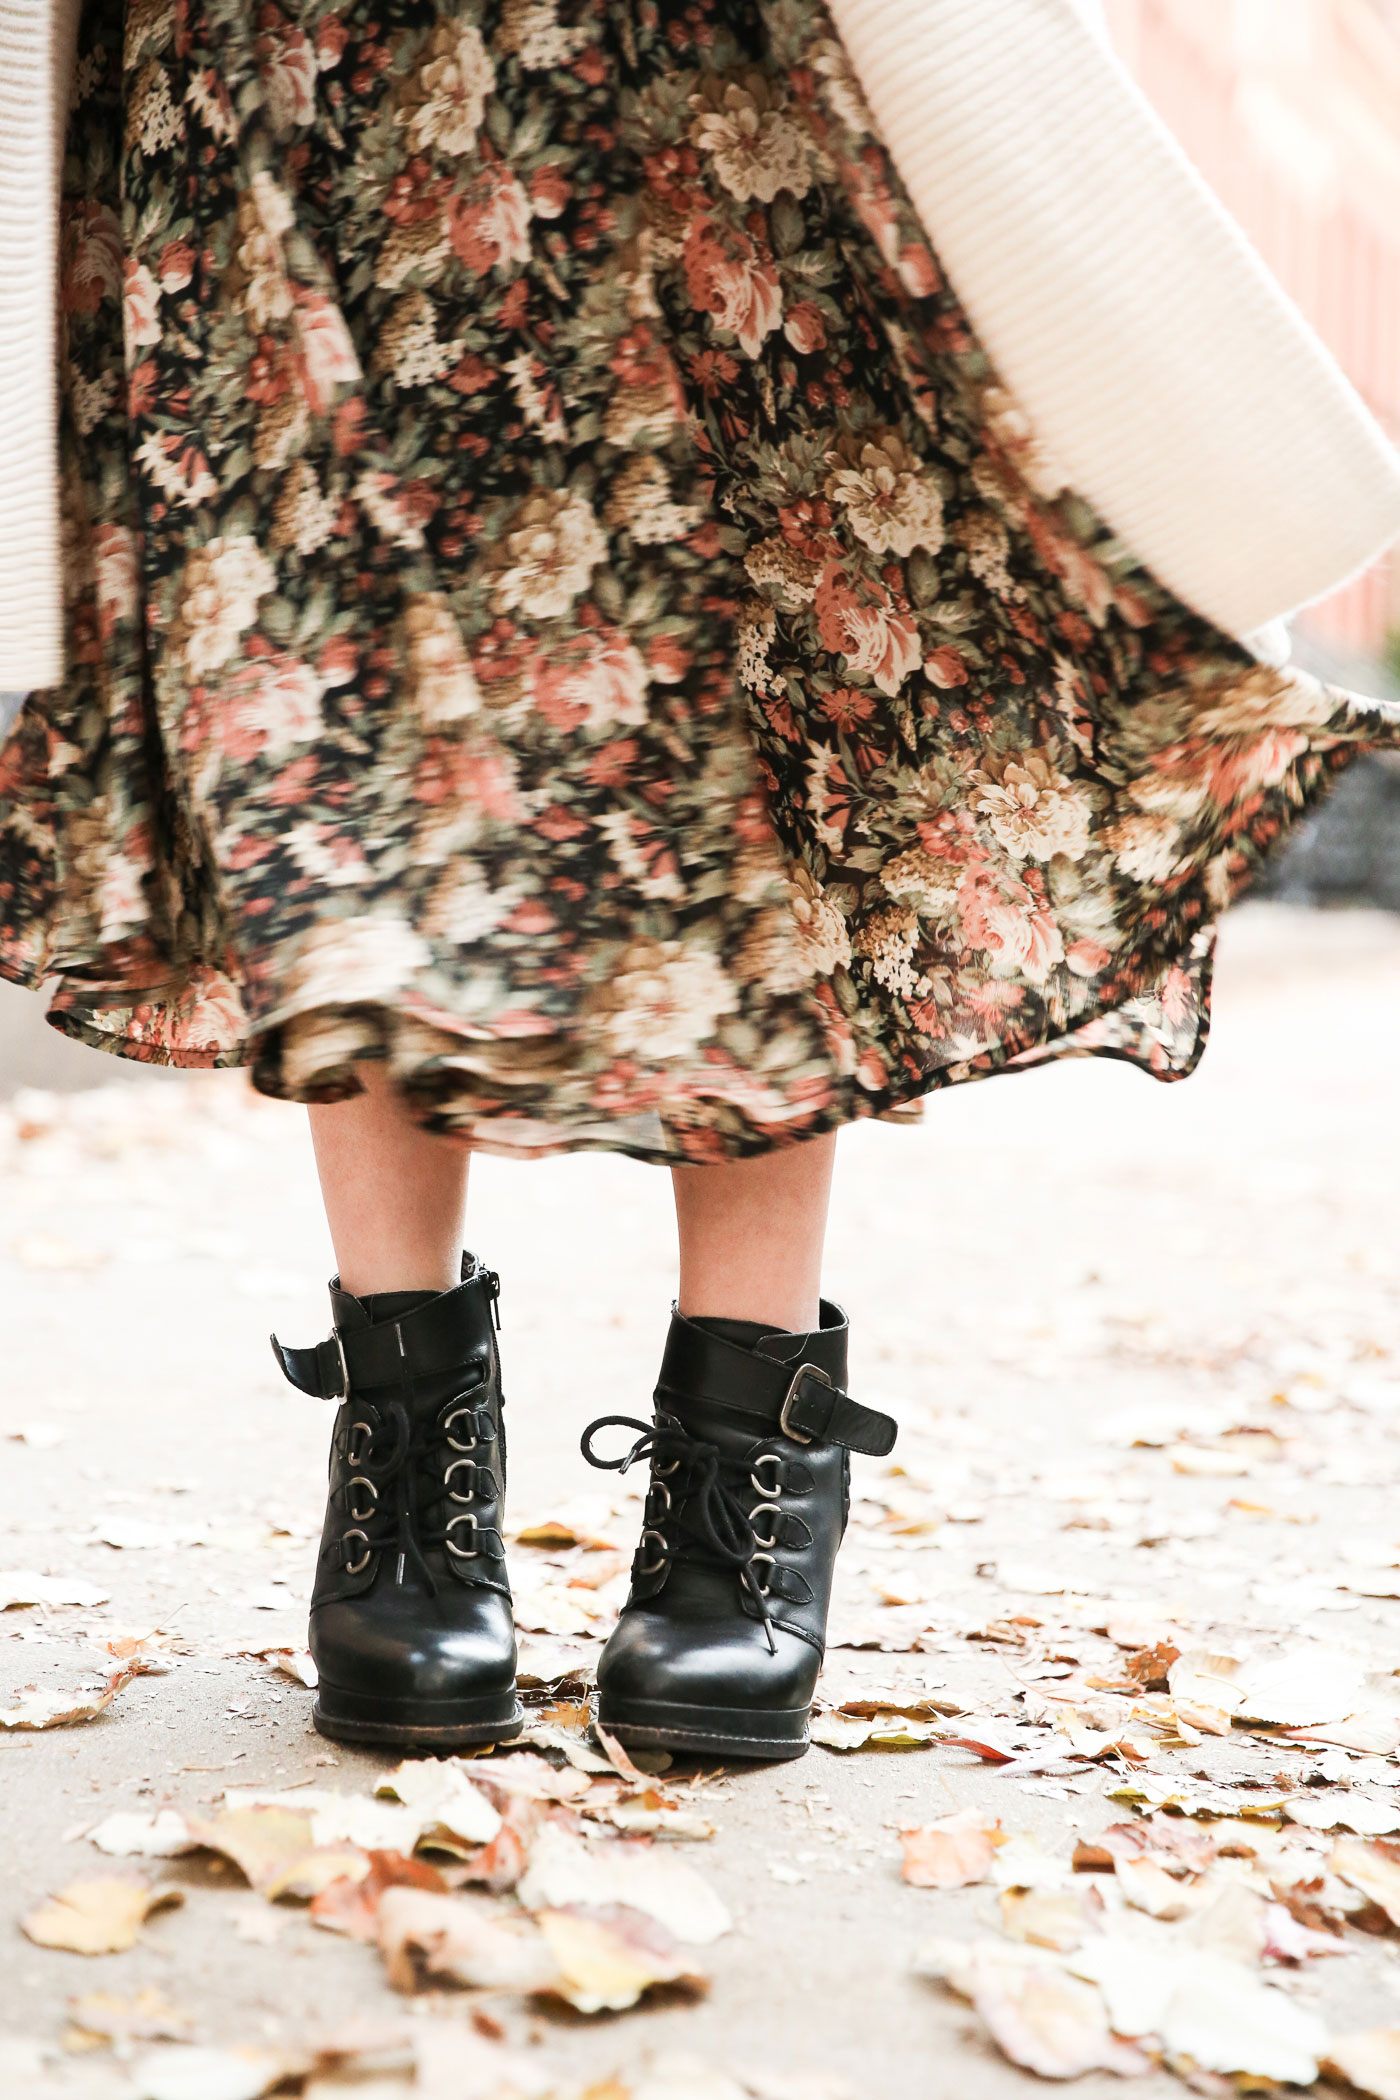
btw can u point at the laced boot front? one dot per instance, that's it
(411, 1627)
(721, 1640)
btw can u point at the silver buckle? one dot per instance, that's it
(344, 1365)
(802, 1371)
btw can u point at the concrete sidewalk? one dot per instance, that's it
(1145, 1346)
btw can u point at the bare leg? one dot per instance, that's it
(394, 1196)
(751, 1236)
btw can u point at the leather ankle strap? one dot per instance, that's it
(440, 1335)
(798, 1400)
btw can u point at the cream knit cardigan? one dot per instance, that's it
(1175, 386)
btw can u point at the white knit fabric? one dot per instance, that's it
(36, 42)
(1161, 365)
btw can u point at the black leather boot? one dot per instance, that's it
(411, 1627)
(721, 1639)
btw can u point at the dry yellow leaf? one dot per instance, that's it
(100, 1916)
(609, 1958)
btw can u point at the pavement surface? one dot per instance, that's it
(1144, 1343)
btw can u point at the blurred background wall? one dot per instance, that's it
(1291, 111)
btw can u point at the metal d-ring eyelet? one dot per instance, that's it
(653, 1567)
(458, 1465)
(357, 1567)
(456, 1416)
(361, 1516)
(768, 1561)
(759, 1509)
(353, 1459)
(659, 1487)
(461, 1552)
(768, 1489)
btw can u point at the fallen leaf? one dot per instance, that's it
(1039, 2016)
(952, 1853)
(1134, 1626)
(162, 1836)
(148, 2017)
(523, 1774)
(1287, 1939)
(59, 1709)
(1373, 1734)
(1204, 1677)
(608, 1957)
(464, 1938)
(1332, 1810)
(1202, 2005)
(1373, 1868)
(295, 1663)
(351, 1905)
(1302, 1688)
(674, 2077)
(565, 1872)
(1369, 2060)
(176, 2073)
(456, 2062)
(1044, 1917)
(1149, 1887)
(103, 1915)
(619, 1760)
(18, 1586)
(445, 1800)
(657, 1816)
(1207, 1462)
(276, 1848)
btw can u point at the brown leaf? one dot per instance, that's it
(1149, 1666)
(952, 1853)
(103, 1915)
(60, 1710)
(351, 1905)
(619, 1760)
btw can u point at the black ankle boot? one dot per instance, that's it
(721, 1639)
(411, 1627)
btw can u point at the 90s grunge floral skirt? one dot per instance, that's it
(560, 603)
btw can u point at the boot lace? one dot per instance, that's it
(704, 1515)
(412, 1477)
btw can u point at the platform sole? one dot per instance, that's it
(417, 1724)
(720, 1731)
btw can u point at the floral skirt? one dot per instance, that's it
(559, 602)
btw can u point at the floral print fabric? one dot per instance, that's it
(559, 602)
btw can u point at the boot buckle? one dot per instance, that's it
(794, 1393)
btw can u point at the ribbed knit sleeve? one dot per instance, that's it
(36, 41)
(1161, 364)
